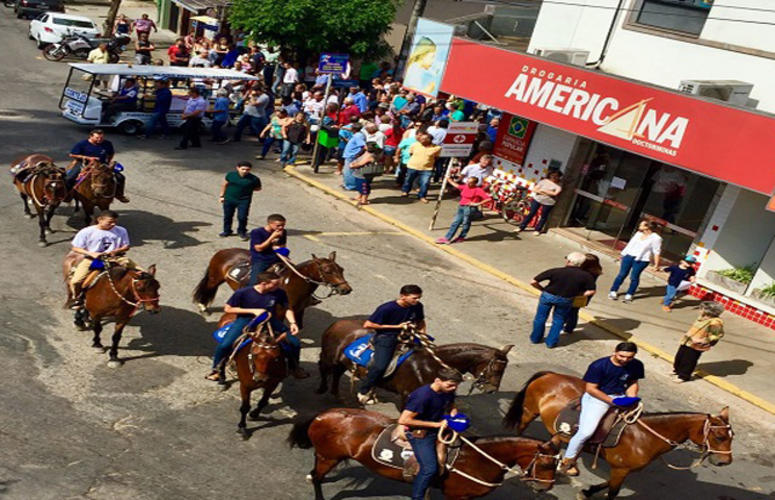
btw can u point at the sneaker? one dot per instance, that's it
(122, 199)
(243, 236)
(518, 230)
(442, 241)
(627, 298)
(613, 295)
(537, 233)
(678, 380)
(364, 399)
(667, 309)
(459, 239)
(225, 234)
(568, 467)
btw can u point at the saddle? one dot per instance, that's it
(240, 272)
(392, 449)
(361, 352)
(609, 430)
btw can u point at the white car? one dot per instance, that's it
(50, 27)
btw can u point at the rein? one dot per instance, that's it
(428, 345)
(140, 300)
(30, 183)
(310, 281)
(705, 449)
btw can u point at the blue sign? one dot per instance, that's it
(333, 63)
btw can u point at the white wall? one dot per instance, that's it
(548, 144)
(665, 61)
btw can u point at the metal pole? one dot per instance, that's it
(441, 194)
(315, 163)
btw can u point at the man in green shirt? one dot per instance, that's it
(236, 193)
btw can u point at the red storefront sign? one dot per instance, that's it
(728, 144)
(514, 134)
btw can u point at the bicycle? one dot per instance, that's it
(510, 201)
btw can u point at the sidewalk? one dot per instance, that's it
(741, 364)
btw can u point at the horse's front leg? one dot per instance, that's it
(42, 224)
(589, 492)
(97, 328)
(26, 205)
(114, 362)
(49, 216)
(322, 467)
(269, 388)
(242, 427)
(88, 211)
(615, 481)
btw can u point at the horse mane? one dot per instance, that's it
(672, 413)
(117, 272)
(467, 347)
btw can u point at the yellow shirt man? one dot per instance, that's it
(99, 56)
(422, 156)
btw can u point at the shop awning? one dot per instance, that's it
(197, 6)
(208, 22)
(711, 138)
(149, 71)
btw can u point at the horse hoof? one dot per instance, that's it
(115, 363)
(308, 478)
(42, 244)
(202, 309)
(99, 348)
(243, 432)
(254, 415)
(49, 231)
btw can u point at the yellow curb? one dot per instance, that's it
(718, 382)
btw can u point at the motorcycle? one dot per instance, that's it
(79, 46)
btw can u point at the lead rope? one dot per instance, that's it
(704, 452)
(428, 345)
(629, 418)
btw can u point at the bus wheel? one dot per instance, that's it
(130, 127)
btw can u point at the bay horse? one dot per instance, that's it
(546, 393)
(116, 293)
(316, 272)
(339, 434)
(486, 364)
(44, 184)
(95, 187)
(260, 365)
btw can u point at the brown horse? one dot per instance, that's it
(547, 393)
(486, 364)
(44, 184)
(95, 187)
(116, 293)
(339, 434)
(317, 272)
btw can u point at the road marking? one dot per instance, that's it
(357, 233)
(589, 318)
(312, 238)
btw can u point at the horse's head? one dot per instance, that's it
(716, 438)
(54, 188)
(146, 289)
(489, 371)
(268, 358)
(326, 270)
(540, 472)
(102, 181)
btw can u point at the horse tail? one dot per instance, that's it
(514, 416)
(299, 435)
(204, 293)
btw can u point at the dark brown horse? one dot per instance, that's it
(339, 434)
(95, 187)
(486, 364)
(547, 393)
(43, 183)
(316, 272)
(117, 293)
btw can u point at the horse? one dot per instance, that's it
(486, 364)
(95, 187)
(117, 292)
(546, 393)
(260, 364)
(44, 184)
(300, 286)
(339, 434)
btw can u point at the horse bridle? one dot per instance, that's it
(704, 449)
(481, 379)
(331, 286)
(88, 170)
(138, 298)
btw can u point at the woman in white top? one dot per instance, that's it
(636, 256)
(544, 197)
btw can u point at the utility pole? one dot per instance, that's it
(417, 12)
(111, 19)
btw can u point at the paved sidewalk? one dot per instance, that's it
(742, 363)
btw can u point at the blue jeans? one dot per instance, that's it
(157, 119)
(384, 347)
(348, 179)
(534, 206)
(268, 141)
(290, 150)
(634, 268)
(257, 267)
(216, 131)
(423, 178)
(425, 452)
(223, 349)
(670, 293)
(256, 124)
(562, 307)
(242, 208)
(571, 320)
(462, 217)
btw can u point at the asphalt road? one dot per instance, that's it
(70, 427)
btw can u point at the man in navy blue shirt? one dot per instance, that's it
(607, 378)
(263, 242)
(424, 418)
(126, 100)
(388, 321)
(161, 107)
(95, 148)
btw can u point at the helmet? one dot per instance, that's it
(458, 423)
(282, 251)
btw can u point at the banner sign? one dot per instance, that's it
(460, 139)
(427, 56)
(513, 139)
(333, 63)
(729, 144)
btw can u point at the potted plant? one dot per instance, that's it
(735, 280)
(766, 294)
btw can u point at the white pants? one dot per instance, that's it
(592, 411)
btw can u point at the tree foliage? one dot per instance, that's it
(311, 26)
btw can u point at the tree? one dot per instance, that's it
(311, 26)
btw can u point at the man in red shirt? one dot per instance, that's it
(178, 53)
(348, 111)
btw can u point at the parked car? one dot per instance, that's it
(31, 8)
(50, 27)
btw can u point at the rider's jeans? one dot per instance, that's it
(425, 452)
(592, 411)
(223, 349)
(257, 267)
(384, 347)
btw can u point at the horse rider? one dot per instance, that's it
(249, 302)
(423, 415)
(388, 321)
(607, 378)
(95, 148)
(105, 241)
(263, 243)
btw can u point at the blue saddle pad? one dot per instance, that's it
(221, 332)
(360, 353)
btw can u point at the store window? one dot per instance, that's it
(686, 16)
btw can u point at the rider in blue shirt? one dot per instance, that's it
(263, 242)
(389, 320)
(607, 379)
(95, 148)
(423, 416)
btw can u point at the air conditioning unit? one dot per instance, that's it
(732, 91)
(567, 56)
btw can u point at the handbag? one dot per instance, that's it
(372, 168)
(580, 301)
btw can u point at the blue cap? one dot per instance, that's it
(691, 259)
(626, 401)
(282, 251)
(458, 423)
(97, 265)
